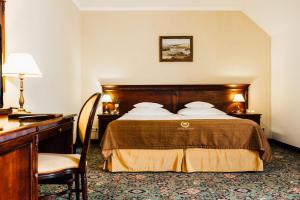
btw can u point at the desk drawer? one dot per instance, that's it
(58, 139)
(55, 130)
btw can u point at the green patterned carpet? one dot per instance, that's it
(280, 180)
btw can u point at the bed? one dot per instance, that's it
(154, 151)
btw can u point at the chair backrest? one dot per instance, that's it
(84, 127)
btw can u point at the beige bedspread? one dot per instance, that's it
(177, 134)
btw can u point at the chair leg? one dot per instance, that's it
(70, 190)
(77, 186)
(84, 186)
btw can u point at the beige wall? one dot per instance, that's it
(50, 30)
(285, 87)
(281, 21)
(122, 48)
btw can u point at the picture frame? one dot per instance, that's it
(176, 48)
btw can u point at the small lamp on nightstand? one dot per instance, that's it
(21, 65)
(106, 98)
(238, 98)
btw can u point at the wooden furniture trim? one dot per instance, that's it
(175, 87)
(88, 132)
(32, 127)
(172, 96)
(22, 142)
(54, 130)
(256, 117)
(246, 114)
(8, 146)
(2, 4)
(2, 49)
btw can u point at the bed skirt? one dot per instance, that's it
(180, 160)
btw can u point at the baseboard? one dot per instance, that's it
(284, 145)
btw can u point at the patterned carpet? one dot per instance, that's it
(280, 180)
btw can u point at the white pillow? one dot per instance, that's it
(199, 104)
(149, 112)
(200, 111)
(148, 105)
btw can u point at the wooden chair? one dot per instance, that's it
(68, 168)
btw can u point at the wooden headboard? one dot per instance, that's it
(174, 97)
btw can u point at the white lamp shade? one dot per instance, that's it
(21, 64)
(106, 98)
(238, 98)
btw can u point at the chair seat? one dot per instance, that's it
(52, 162)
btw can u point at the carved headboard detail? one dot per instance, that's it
(174, 97)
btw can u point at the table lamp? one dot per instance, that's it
(106, 98)
(21, 65)
(238, 98)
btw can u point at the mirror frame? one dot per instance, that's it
(2, 48)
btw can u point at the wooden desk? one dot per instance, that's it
(19, 147)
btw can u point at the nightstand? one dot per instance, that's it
(252, 116)
(103, 121)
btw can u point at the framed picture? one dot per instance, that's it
(176, 48)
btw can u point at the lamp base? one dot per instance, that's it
(21, 111)
(238, 112)
(106, 112)
(238, 109)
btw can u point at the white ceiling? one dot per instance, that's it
(158, 4)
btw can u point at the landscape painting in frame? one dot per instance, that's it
(176, 48)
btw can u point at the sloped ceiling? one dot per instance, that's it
(272, 16)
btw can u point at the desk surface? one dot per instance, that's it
(14, 128)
